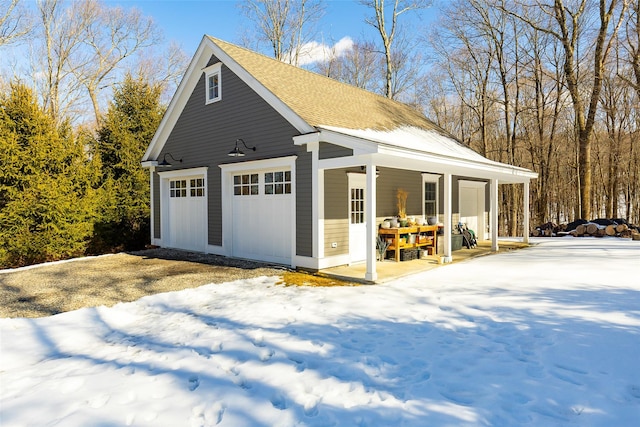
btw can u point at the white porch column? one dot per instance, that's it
(447, 218)
(370, 209)
(494, 214)
(526, 214)
(152, 200)
(317, 196)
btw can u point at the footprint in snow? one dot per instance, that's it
(634, 390)
(265, 354)
(278, 401)
(194, 383)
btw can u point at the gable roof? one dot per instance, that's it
(315, 104)
(322, 101)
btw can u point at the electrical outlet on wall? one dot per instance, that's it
(334, 244)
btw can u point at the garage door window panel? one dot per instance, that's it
(178, 188)
(277, 182)
(245, 185)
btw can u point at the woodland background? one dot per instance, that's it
(550, 85)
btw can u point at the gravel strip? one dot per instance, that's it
(54, 288)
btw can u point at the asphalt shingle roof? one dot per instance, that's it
(321, 101)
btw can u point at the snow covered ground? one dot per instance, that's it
(546, 336)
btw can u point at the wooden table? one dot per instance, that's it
(425, 238)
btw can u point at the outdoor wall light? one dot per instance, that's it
(236, 152)
(164, 161)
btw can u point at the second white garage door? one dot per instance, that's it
(262, 204)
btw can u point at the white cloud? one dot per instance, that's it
(316, 52)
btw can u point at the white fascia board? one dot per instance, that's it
(179, 99)
(149, 163)
(307, 138)
(296, 121)
(397, 157)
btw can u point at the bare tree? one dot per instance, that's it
(14, 22)
(82, 49)
(386, 22)
(61, 37)
(112, 35)
(569, 24)
(286, 25)
(359, 66)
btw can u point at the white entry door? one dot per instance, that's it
(357, 218)
(471, 203)
(262, 218)
(187, 218)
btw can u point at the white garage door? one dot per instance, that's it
(187, 213)
(262, 215)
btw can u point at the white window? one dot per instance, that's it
(430, 194)
(357, 206)
(213, 79)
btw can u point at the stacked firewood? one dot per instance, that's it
(601, 227)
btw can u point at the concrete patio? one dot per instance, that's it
(389, 269)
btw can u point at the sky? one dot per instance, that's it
(187, 21)
(543, 336)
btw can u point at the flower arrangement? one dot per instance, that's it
(401, 195)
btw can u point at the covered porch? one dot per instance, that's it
(408, 149)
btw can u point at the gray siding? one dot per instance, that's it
(304, 200)
(336, 212)
(331, 151)
(388, 183)
(204, 134)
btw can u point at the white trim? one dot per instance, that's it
(258, 164)
(448, 212)
(152, 197)
(184, 172)
(226, 190)
(215, 69)
(475, 184)
(526, 214)
(435, 179)
(494, 214)
(322, 263)
(317, 201)
(370, 215)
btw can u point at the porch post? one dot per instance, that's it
(370, 210)
(447, 218)
(317, 206)
(526, 213)
(152, 200)
(494, 214)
